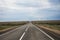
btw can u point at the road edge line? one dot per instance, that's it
(45, 33)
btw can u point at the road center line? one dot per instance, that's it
(22, 36)
(24, 33)
(45, 33)
(26, 28)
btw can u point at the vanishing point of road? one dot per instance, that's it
(26, 32)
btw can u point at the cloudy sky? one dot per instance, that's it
(18, 10)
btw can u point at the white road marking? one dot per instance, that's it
(26, 28)
(22, 36)
(44, 33)
(10, 31)
(24, 33)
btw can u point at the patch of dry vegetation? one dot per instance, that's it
(57, 27)
(5, 25)
(53, 24)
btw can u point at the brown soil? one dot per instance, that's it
(53, 30)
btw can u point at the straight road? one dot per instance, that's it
(26, 32)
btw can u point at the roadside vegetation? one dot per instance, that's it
(6, 25)
(53, 24)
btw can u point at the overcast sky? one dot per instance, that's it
(18, 10)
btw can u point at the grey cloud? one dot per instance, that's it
(28, 4)
(55, 2)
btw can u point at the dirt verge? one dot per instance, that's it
(7, 29)
(53, 30)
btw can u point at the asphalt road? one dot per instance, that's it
(26, 32)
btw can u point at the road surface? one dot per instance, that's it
(26, 32)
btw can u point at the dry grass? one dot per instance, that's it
(5, 25)
(53, 24)
(57, 27)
